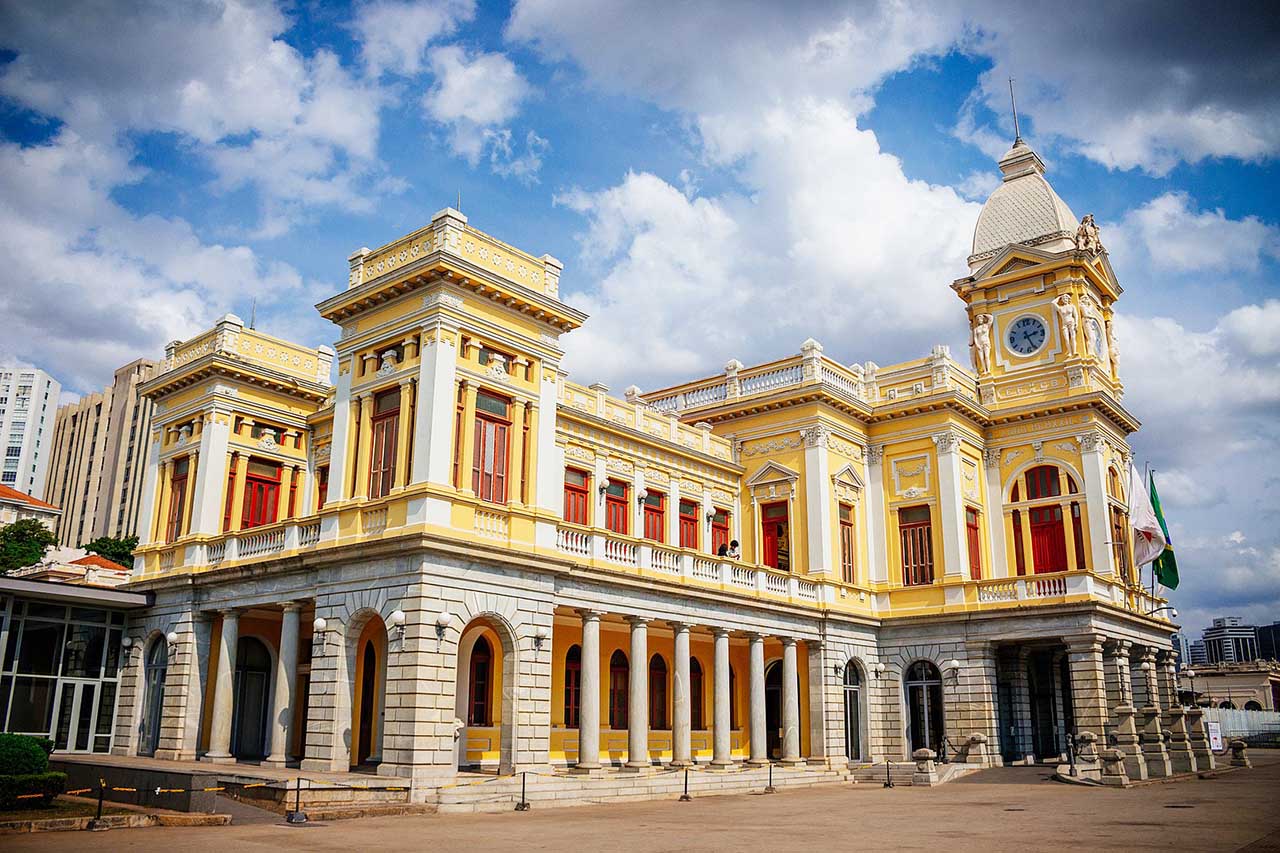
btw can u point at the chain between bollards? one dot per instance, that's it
(684, 798)
(523, 805)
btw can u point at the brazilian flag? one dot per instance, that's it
(1166, 565)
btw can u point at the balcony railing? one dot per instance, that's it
(617, 550)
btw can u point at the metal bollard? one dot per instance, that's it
(297, 816)
(769, 789)
(888, 780)
(684, 798)
(96, 824)
(523, 805)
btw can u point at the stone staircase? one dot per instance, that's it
(555, 790)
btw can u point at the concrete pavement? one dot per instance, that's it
(1236, 811)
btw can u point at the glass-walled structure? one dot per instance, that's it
(62, 660)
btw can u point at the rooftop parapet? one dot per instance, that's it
(230, 338)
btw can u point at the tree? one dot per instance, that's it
(116, 550)
(23, 543)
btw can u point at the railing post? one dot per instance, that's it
(686, 565)
(726, 573)
(1022, 589)
(760, 579)
(793, 587)
(233, 549)
(597, 546)
(291, 534)
(644, 557)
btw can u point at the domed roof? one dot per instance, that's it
(1024, 209)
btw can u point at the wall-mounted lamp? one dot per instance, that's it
(641, 496)
(711, 516)
(320, 627)
(171, 638)
(838, 670)
(879, 669)
(397, 623)
(1146, 666)
(540, 635)
(953, 664)
(442, 621)
(604, 487)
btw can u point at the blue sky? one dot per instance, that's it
(729, 178)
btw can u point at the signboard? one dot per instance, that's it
(1214, 729)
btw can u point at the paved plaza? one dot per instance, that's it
(1012, 809)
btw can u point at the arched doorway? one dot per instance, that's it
(486, 691)
(619, 690)
(852, 712)
(773, 708)
(369, 693)
(658, 693)
(157, 666)
(252, 695)
(923, 686)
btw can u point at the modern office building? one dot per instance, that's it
(1269, 641)
(1182, 646)
(809, 560)
(28, 403)
(1229, 640)
(1198, 653)
(98, 458)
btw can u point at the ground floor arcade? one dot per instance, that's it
(416, 666)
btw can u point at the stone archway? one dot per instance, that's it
(484, 698)
(367, 663)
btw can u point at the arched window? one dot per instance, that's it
(923, 685)
(572, 686)
(479, 706)
(1227, 706)
(657, 693)
(157, 667)
(852, 712)
(695, 695)
(1252, 706)
(1046, 523)
(619, 678)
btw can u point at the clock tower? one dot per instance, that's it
(1039, 295)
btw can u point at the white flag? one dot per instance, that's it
(1148, 537)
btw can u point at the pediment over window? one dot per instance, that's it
(772, 472)
(846, 482)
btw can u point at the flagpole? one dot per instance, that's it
(1150, 472)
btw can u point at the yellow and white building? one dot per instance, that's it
(456, 539)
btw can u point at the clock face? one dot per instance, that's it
(1026, 335)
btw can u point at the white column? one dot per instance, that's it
(281, 722)
(1095, 495)
(722, 746)
(877, 555)
(759, 734)
(995, 514)
(790, 705)
(638, 696)
(589, 695)
(673, 513)
(818, 501)
(339, 465)
(211, 474)
(220, 730)
(681, 711)
(955, 556)
(436, 403)
(150, 482)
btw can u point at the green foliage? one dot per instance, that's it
(116, 550)
(47, 785)
(22, 755)
(23, 543)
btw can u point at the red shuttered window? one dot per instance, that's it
(577, 486)
(916, 532)
(688, 524)
(655, 516)
(974, 537)
(489, 463)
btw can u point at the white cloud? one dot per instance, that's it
(505, 161)
(1177, 237)
(302, 130)
(122, 285)
(394, 34)
(1139, 87)
(472, 93)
